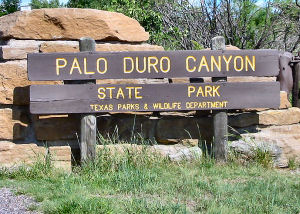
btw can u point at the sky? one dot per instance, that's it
(26, 2)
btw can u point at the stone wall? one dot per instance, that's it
(25, 137)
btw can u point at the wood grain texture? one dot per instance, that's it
(220, 118)
(296, 73)
(48, 99)
(42, 66)
(88, 122)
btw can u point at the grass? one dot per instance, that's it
(140, 182)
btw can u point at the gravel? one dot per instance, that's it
(15, 204)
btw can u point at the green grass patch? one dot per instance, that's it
(141, 182)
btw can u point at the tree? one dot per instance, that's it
(37, 4)
(9, 6)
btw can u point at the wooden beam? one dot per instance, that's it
(88, 121)
(295, 91)
(220, 118)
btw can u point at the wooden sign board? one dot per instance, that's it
(90, 98)
(152, 64)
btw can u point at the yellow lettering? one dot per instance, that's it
(101, 93)
(137, 65)
(188, 68)
(152, 64)
(248, 62)
(227, 61)
(110, 91)
(98, 65)
(191, 89)
(120, 92)
(125, 65)
(168, 64)
(136, 92)
(236, 63)
(203, 63)
(213, 63)
(208, 90)
(85, 67)
(75, 65)
(200, 91)
(59, 66)
(129, 91)
(215, 91)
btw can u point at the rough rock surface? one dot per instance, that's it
(71, 24)
(18, 50)
(59, 46)
(14, 123)
(248, 147)
(14, 83)
(61, 157)
(286, 137)
(12, 154)
(173, 152)
(269, 117)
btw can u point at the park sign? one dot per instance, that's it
(152, 64)
(93, 98)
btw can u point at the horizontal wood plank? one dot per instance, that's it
(59, 99)
(152, 64)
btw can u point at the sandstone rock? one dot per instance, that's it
(14, 83)
(269, 117)
(73, 46)
(280, 117)
(251, 79)
(128, 47)
(13, 78)
(231, 47)
(14, 123)
(12, 53)
(188, 154)
(12, 154)
(59, 46)
(284, 101)
(286, 137)
(61, 157)
(249, 148)
(172, 152)
(68, 24)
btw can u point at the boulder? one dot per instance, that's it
(285, 137)
(68, 24)
(73, 46)
(12, 154)
(14, 123)
(179, 152)
(128, 47)
(249, 148)
(172, 152)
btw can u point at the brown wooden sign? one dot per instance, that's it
(90, 98)
(152, 64)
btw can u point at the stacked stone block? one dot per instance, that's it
(24, 136)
